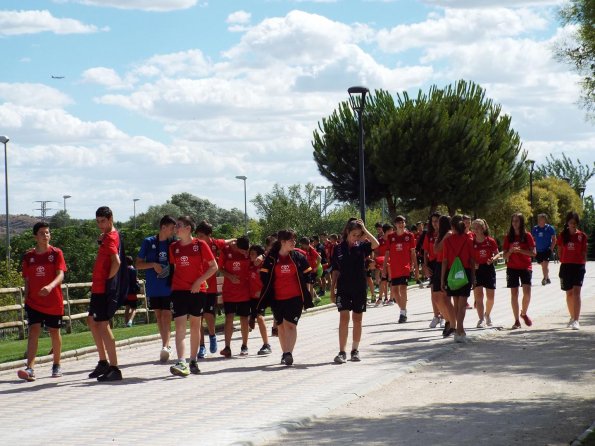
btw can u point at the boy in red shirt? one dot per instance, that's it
(400, 254)
(313, 260)
(43, 271)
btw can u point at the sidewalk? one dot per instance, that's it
(254, 399)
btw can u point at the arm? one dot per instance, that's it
(414, 265)
(114, 266)
(373, 240)
(427, 271)
(472, 278)
(553, 244)
(212, 269)
(229, 276)
(334, 277)
(53, 284)
(443, 274)
(142, 264)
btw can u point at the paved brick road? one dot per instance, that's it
(238, 400)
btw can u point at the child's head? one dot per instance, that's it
(243, 243)
(41, 231)
(458, 224)
(255, 251)
(304, 242)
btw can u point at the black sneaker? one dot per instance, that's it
(446, 328)
(283, 358)
(288, 358)
(113, 374)
(341, 358)
(355, 356)
(194, 367)
(265, 350)
(101, 369)
(447, 332)
(402, 319)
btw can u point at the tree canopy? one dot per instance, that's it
(577, 174)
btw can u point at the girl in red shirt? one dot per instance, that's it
(519, 249)
(485, 251)
(429, 266)
(572, 248)
(458, 245)
(256, 253)
(445, 302)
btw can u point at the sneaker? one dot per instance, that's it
(481, 324)
(544, 282)
(457, 338)
(378, 302)
(517, 324)
(265, 350)
(442, 322)
(101, 368)
(402, 319)
(164, 354)
(283, 358)
(194, 368)
(488, 320)
(56, 371)
(316, 299)
(129, 324)
(420, 284)
(527, 320)
(391, 302)
(575, 325)
(180, 368)
(385, 302)
(341, 358)
(252, 322)
(355, 356)
(113, 374)
(288, 358)
(274, 331)
(213, 343)
(202, 352)
(435, 322)
(226, 352)
(26, 374)
(569, 324)
(548, 281)
(244, 350)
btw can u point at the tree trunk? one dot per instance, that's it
(392, 208)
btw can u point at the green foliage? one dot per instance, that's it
(498, 217)
(61, 219)
(565, 169)
(564, 197)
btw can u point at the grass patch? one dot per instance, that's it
(590, 440)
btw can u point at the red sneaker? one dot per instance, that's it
(527, 320)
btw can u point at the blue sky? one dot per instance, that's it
(165, 96)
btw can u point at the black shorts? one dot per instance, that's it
(289, 310)
(571, 275)
(254, 311)
(46, 320)
(241, 309)
(436, 280)
(186, 303)
(101, 308)
(160, 303)
(351, 301)
(543, 256)
(131, 304)
(397, 281)
(210, 303)
(485, 276)
(463, 291)
(514, 276)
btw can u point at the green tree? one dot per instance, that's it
(498, 217)
(563, 195)
(577, 174)
(580, 51)
(61, 219)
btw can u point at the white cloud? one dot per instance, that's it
(491, 3)
(32, 22)
(239, 17)
(106, 77)
(38, 95)
(143, 5)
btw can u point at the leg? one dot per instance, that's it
(262, 328)
(478, 295)
(526, 298)
(180, 336)
(290, 335)
(210, 318)
(56, 343)
(489, 301)
(576, 294)
(450, 314)
(435, 304)
(32, 342)
(357, 329)
(402, 297)
(228, 330)
(461, 306)
(108, 341)
(570, 303)
(545, 268)
(97, 338)
(514, 302)
(282, 337)
(164, 321)
(195, 329)
(343, 329)
(127, 312)
(245, 329)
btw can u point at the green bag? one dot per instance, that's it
(457, 277)
(319, 271)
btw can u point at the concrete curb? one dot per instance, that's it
(580, 440)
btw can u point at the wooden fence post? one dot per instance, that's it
(22, 313)
(69, 324)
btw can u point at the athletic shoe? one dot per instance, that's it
(378, 302)
(442, 322)
(457, 338)
(244, 350)
(274, 331)
(575, 325)
(251, 322)
(226, 352)
(481, 324)
(202, 352)
(446, 327)
(265, 350)
(341, 358)
(113, 374)
(316, 299)
(26, 374)
(420, 284)
(569, 324)
(543, 282)
(194, 368)
(488, 320)
(283, 358)
(391, 302)
(527, 320)
(101, 368)
(180, 368)
(385, 302)
(288, 358)
(164, 354)
(402, 319)
(463, 339)
(517, 324)
(435, 322)
(129, 323)
(56, 371)
(355, 356)
(213, 343)
(548, 281)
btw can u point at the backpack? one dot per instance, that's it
(117, 289)
(457, 277)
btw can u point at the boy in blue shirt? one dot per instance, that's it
(545, 242)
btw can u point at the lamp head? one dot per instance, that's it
(4, 139)
(530, 163)
(357, 97)
(136, 199)
(66, 196)
(242, 177)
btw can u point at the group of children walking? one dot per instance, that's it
(457, 255)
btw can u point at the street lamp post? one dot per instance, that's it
(581, 191)
(357, 97)
(4, 140)
(66, 197)
(134, 200)
(325, 188)
(531, 165)
(244, 178)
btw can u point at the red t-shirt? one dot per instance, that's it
(39, 270)
(458, 245)
(312, 256)
(516, 260)
(381, 249)
(399, 248)
(235, 262)
(483, 251)
(255, 282)
(217, 246)
(189, 261)
(287, 282)
(574, 251)
(428, 246)
(108, 246)
(330, 248)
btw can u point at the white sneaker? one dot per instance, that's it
(481, 324)
(575, 325)
(164, 354)
(569, 324)
(435, 322)
(442, 322)
(463, 339)
(488, 320)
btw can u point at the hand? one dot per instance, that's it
(333, 298)
(233, 279)
(157, 267)
(196, 287)
(489, 262)
(45, 290)
(443, 287)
